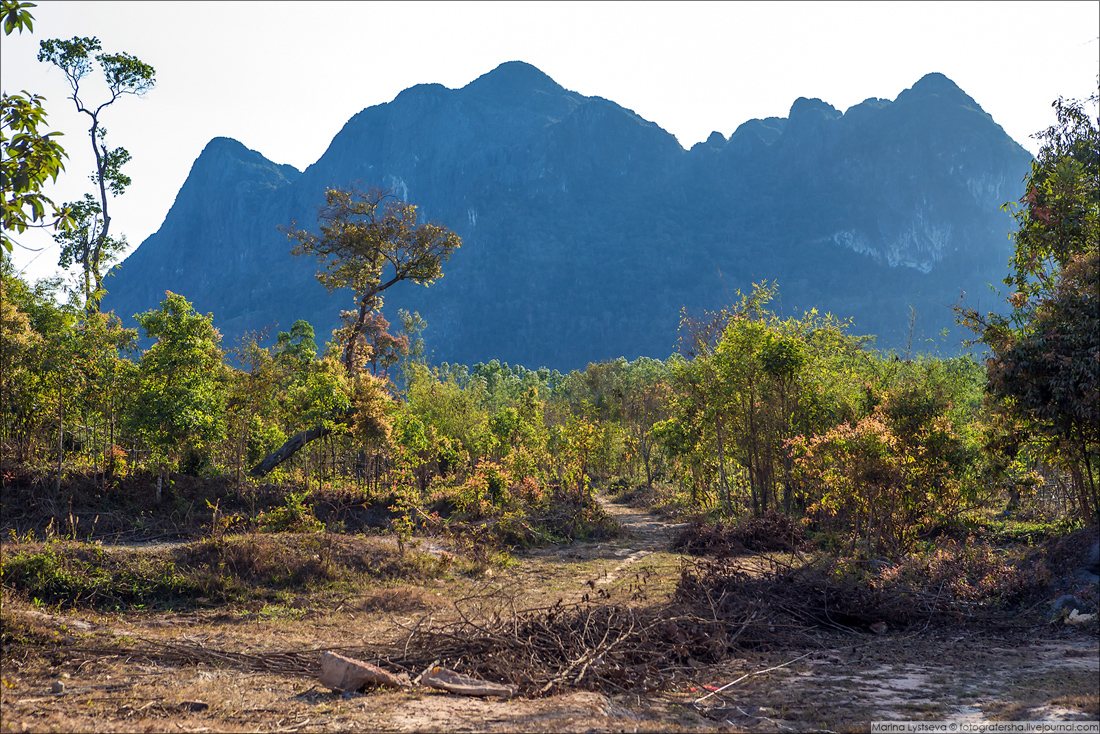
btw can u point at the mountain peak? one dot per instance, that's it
(803, 106)
(221, 149)
(935, 83)
(514, 77)
(224, 146)
(587, 229)
(938, 85)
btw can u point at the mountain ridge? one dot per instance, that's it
(587, 228)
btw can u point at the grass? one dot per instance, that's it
(77, 574)
(266, 567)
(1006, 531)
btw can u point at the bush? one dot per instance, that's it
(294, 516)
(970, 572)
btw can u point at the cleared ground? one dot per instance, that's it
(246, 668)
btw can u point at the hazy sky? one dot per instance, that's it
(284, 77)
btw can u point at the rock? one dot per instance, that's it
(194, 705)
(58, 686)
(1076, 618)
(536, 178)
(449, 680)
(348, 674)
(1086, 577)
(1066, 601)
(1092, 560)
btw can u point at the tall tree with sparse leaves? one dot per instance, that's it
(89, 242)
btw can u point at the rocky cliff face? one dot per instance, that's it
(587, 228)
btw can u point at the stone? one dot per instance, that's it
(1089, 573)
(1076, 618)
(453, 682)
(344, 674)
(58, 687)
(1066, 601)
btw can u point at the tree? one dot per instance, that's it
(30, 157)
(369, 241)
(179, 405)
(645, 403)
(29, 315)
(89, 241)
(894, 474)
(386, 349)
(1045, 362)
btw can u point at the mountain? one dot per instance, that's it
(586, 228)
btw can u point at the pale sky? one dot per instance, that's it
(284, 77)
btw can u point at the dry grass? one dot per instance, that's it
(1069, 689)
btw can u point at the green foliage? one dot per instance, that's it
(1044, 368)
(1059, 215)
(87, 220)
(911, 463)
(322, 397)
(30, 158)
(455, 412)
(16, 16)
(755, 381)
(70, 575)
(370, 241)
(295, 515)
(179, 403)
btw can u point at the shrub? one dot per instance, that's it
(293, 516)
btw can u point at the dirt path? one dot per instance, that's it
(843, 686)
(646, 534)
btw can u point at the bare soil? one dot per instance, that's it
(87, 671)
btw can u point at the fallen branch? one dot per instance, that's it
(697, 701)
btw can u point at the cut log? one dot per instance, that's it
(348, 674)
(293, 445)
(449, 680)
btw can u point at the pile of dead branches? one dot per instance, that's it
(718, 611)
(587, 645)
(829, 593)
(770, 532)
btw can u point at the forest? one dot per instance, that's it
(913, 480)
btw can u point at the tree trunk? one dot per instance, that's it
(60, 436)
(725, 499)
(288, 449)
